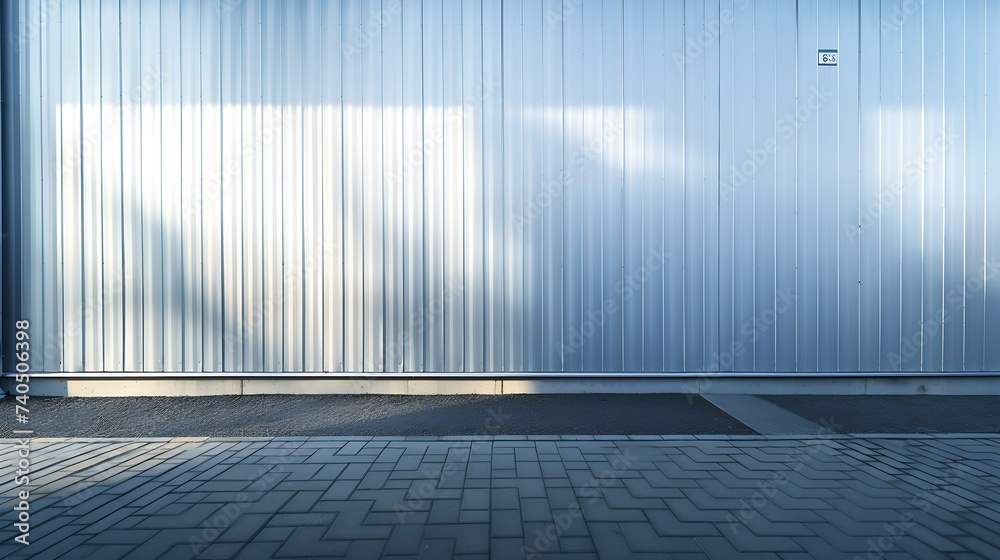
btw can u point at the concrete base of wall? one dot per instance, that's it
(952, 384)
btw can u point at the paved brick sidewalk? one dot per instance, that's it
(510, 497)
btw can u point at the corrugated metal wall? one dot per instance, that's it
(506, 186)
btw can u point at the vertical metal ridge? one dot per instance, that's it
(684, 194)
(83, 277)
(860, 133)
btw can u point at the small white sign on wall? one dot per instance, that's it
(828, 57)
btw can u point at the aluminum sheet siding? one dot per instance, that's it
(450, 186)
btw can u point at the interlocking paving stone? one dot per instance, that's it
(405, 539)
(642, 538)
(719, 548)
(444, 511)
(715, 497)
(763, 527)
(506, 523)
(576, 544)
(666, 524)
(474, 516)
(597, 509)
(307, 541)
(506, 547)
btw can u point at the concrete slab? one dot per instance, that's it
(762, 416)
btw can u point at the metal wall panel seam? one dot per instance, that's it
(119, 282)
(684, 195)
(33, 266)
(473, 210)
(534, 217)
(798, 39)
(562, 180)
(828, 186)
(76, 206)
(151, 215)
(860, 168)
(774, 201)
(51, 273)
(633, 308)
(743, 238)
(714, 359)
(849, 198)
(726, 235)
(342, 364)
(553, 184)
(652, 184)
(911, 189)
(453, 192)
(973, 226)
(95, 267)
(808, 200)
(786, 192)
(573, 208)
(711, 176)
(889, 158)
(612, 232)
(694, 207)
(393, 227)
(493, 145)
(113, 224)
(324, 197)
(373, 200)
(753, 188)
(621, 209)
(954, 57)
(4, 25)
(992, 206)
(592, 184)
(212, 191)
(923, 187)
(3, 101)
